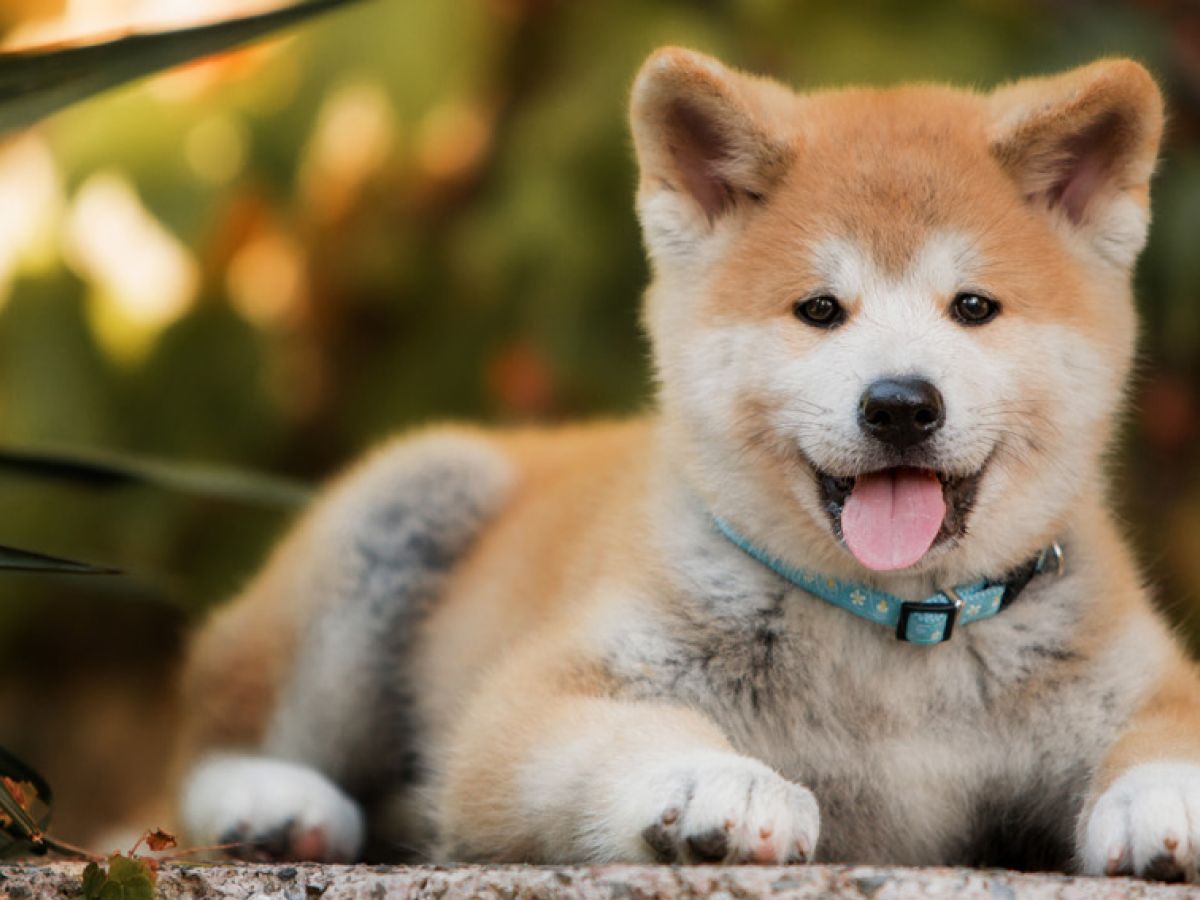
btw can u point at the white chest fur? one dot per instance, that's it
(915, 753)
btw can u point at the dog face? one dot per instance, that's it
(892, 327)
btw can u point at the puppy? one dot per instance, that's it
(851, 593)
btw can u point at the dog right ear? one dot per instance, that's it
(702, 146)
(1082, 146)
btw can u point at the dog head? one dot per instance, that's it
(891, 328)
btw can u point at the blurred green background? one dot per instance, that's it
(410, 210)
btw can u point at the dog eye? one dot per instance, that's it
(821, 311)
(973, 309)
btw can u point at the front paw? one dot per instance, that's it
(271, 810)
(723, 808)
(1147, 824)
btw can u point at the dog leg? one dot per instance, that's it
(270, 809)
(591, 779)
(299, 694)
(1144, 815)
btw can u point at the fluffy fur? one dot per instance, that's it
(534, 645)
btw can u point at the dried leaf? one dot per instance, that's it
(159, 840)
(13, 802)
(24, 805)
(22, 791)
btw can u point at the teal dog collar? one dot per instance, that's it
(928, 621)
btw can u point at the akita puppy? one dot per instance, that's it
(851, 593)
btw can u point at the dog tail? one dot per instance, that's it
(381, 550)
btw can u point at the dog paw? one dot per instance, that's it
(272, 809)
(1147, 824)
(730, 809)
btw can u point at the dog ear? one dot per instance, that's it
(1083, 146)
(702, 144)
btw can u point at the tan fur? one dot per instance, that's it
(1166, 727)
(562, 677)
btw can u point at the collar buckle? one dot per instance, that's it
(949, 611)
(1052, 561)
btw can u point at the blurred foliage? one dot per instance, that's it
(35, 82)
(419, 210)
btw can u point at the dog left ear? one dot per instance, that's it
(1083, 145)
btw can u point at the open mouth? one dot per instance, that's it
(891, 518)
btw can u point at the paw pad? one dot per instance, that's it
(1147, 824)
(724, 808)
(711, 846)
(271, 810)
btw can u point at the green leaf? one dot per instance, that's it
(126, 879)
(15, 560)
(93, 882)
(105, 471)
(37, 82)
(133, 876)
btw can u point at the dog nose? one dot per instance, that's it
(901, 412)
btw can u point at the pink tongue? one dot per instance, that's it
(892, 517)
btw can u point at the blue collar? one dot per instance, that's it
(928, 621)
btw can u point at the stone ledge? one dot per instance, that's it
(310, 882)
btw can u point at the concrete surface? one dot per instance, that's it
(310, 882)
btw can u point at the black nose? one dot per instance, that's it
(901, 412)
